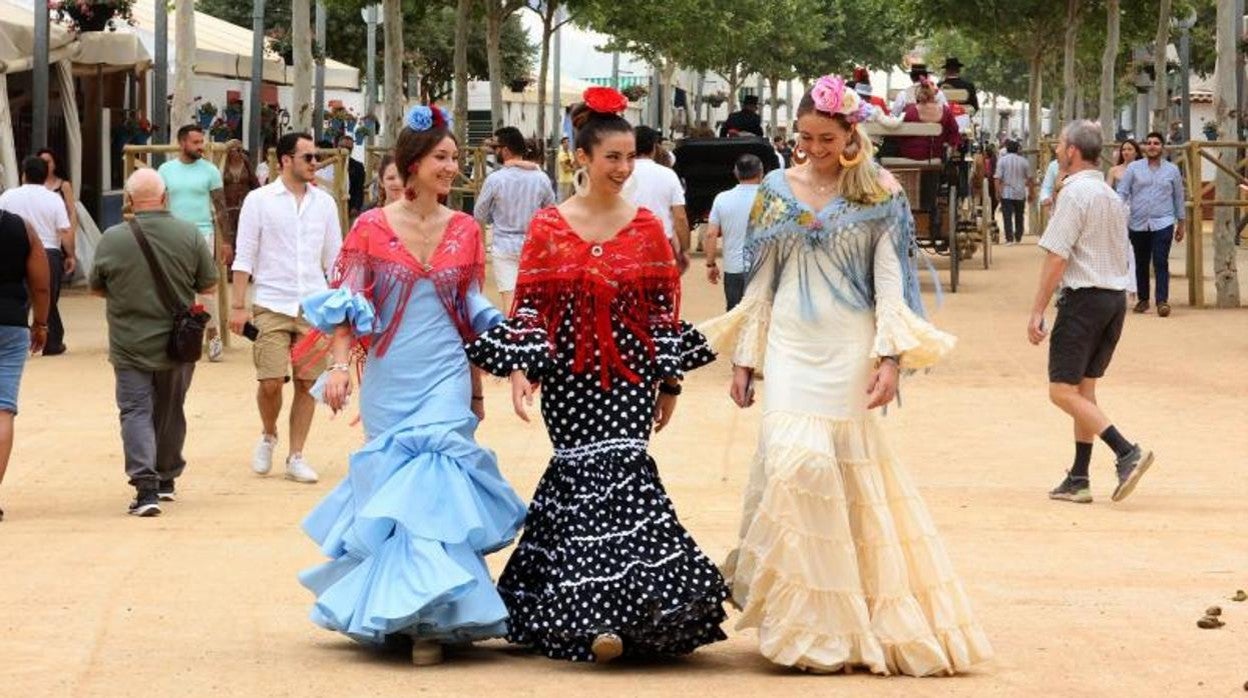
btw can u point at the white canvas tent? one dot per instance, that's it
(67, 55)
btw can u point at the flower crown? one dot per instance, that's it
(423, 118)
(605, 100)
(831, 97)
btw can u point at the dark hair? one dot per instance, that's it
(56, 162)
(590, 126)
(1156, 134)
(1011, 146)
(1128, 142)
(413, 146)
(509, 137)
(386, 161)
(647, 140)
(533, 151)
(188, 129)
(747, 167)
(34, 170)
(286, 144)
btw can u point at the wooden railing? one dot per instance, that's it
(138, 156)
(1188, 157)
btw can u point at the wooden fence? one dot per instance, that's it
(1188, 157)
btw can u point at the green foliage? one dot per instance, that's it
(428, 28)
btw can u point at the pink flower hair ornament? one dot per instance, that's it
(832, 97)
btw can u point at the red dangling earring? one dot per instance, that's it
(409, 193)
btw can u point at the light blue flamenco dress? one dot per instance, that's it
(423, 503)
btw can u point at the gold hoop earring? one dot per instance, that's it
(799, 156)
(853, 162)
(580, 181)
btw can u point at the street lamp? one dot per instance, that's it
(1185, 59)
(373, 18)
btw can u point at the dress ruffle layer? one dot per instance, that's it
(840, 563)
(741, 332)
(406, 531)
(604, 552)
(899, 332)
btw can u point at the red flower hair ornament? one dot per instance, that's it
(605, 100)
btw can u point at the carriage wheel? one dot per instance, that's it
(985, 222)
(955, 253)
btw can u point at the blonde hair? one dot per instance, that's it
(860, 183)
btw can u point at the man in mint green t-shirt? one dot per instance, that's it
(197, 195)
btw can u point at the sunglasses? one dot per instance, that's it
(308, 157)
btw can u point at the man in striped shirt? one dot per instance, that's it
(1090, 258)
(510, 197)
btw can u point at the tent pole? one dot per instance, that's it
(40, 68)
(160, 84)
(254, 141)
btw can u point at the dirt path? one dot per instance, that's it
(1093, 600)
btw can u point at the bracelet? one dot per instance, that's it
(39, 326)
(478, 397)
(344, 367)
(672, 389)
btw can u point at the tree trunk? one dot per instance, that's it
(773, 84)
(301, 92)
(392, 30)
(1161, 98)
(1225, 272)
(463, 24)
(542, 71)
(666, 75)
(183, 107)
(1069, 87)
(494, 59)
(1035, 98)
(734, 84)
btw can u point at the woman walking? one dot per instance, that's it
(838, 564)
(407, 529)
(24, 282)
(604, 566)
(238, 181)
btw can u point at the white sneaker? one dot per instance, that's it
(297, 469)
(262, 457)
(216, 350)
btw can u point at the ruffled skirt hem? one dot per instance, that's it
(839, 563)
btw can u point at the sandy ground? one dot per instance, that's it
(1078, 600)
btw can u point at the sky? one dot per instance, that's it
(581, 59)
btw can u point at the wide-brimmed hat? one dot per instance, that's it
(917, 69)
(952, 63)
(749, 99)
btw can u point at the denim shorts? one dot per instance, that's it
(14, 346)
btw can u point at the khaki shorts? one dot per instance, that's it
(271, 350)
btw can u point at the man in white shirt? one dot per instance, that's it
(907, 95)
(1090, 260)
(730, 217)
(658, 189)
(288, 240)
(45, 211)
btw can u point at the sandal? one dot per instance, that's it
(606, 647)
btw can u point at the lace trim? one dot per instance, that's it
(600, 447)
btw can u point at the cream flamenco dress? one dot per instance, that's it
(838, 563)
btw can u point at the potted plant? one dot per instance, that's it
(84, 16)
(716, 99)
(136, 129)
(635, 92)
(220, 130)
(205, 113)
(518, 84)
(364, 128)
(1210, 129)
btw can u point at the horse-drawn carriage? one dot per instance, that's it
(705, 165)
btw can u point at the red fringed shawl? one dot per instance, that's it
(632, 275)
(375, 263)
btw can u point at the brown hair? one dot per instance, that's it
(590, 126)
(860, 184)
(413, 146)
(386, 161)
(925, 92)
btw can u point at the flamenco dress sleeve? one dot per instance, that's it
(679, 346)
(900, 328)
(348, 301)
(742, 332)
(522, 341)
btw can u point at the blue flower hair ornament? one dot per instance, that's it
(423, 118)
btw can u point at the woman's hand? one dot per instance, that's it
(522, 392)
(337, 389)
(664, 407)
(742, 390)
(882, 386)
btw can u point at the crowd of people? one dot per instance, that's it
(837, 564)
